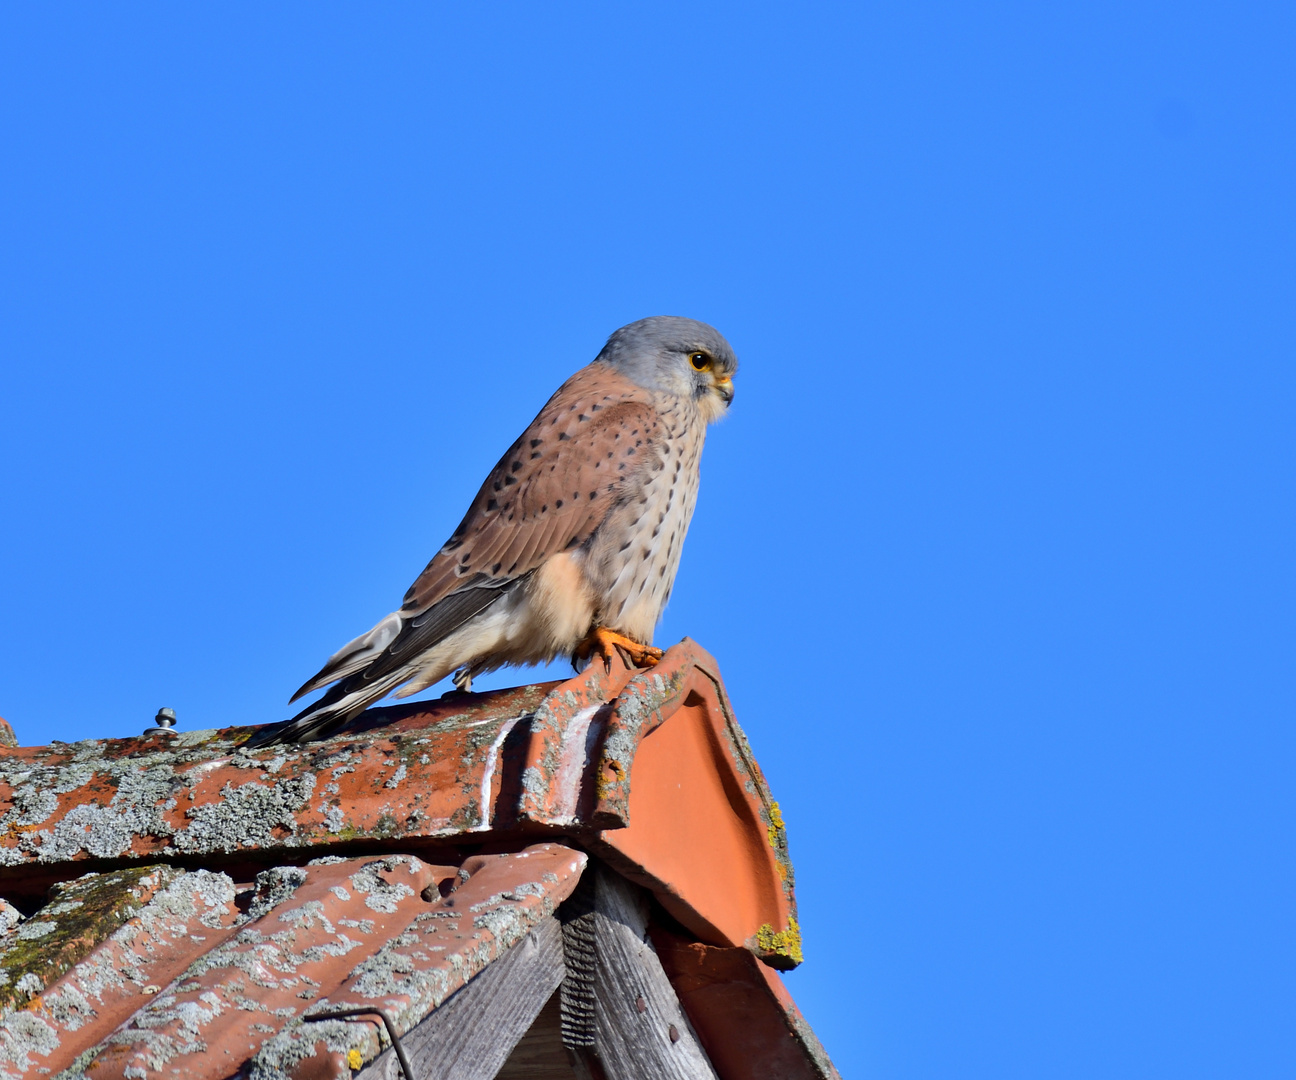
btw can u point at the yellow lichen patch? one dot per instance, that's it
(354, 1059)
(775, 824)
(606, 782)
(784, 944)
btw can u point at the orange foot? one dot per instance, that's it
(605, 643)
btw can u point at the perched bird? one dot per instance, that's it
(571, 545)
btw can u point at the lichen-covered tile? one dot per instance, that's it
(145, 925)
(307, 928)
(80, 914)
(498, 899)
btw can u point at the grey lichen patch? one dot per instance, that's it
(273, 887)
(506, 923)
(334, 819)
(381, 895)
(103, 826)
(286, 1049)
(24, 1037)
(10, 917)
(192, 740)
(246, 816)
(534, 784)
(102, 830)
(82, 913)
(186, 1022)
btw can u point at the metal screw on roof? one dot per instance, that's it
(162, 723)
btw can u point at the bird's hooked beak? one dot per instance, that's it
(724, 387)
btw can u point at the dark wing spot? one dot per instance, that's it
(536, 455)
(595, 408)
(491, 504)
(573, 541)
(496, 568)
(625, 545)
(563, 436)
(545, 508)
(582, 417)
(593, 494)
(558, 504)
(516, 466)
(645, 553)
(535, 443)
(511, 569)
(510, 480)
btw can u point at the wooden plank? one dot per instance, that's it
(640, 1030)
(540, 1055)
(472, 1033)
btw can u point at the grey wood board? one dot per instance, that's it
(641, 1031)
(540, 1055)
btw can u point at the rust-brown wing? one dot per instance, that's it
(552, 489)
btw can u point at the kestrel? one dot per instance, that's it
(571, 545)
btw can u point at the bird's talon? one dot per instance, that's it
(604, 642)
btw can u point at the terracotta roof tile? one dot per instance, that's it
(383, 867)
(589, 758)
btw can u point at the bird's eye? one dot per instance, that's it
(700, 361)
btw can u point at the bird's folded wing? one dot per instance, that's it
(584, 451)
(551, 491)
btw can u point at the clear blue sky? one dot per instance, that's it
(995, 550)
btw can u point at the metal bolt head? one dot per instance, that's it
(162, 723)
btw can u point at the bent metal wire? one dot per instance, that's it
(343, 1014)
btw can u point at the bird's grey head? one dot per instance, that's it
(680, 356)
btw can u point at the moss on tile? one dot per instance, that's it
(80, 914)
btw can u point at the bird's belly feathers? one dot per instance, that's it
(636, 554)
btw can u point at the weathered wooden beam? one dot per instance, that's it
(472, 1033)
(638, 1030)
(540, 1055)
